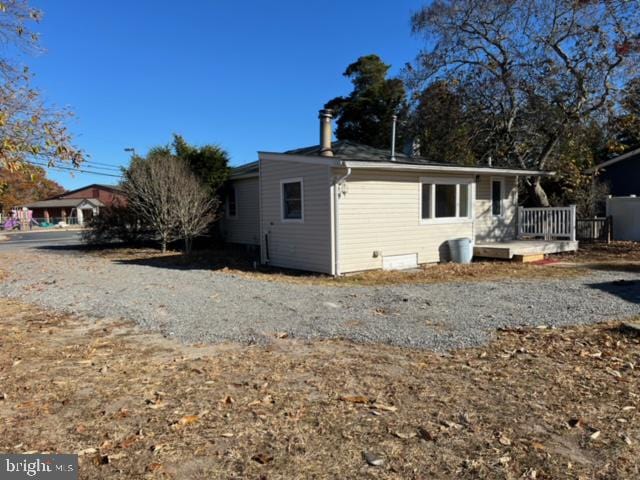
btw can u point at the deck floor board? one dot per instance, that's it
(507, 250)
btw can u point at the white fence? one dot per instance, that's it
(553, 223)
(625, 212)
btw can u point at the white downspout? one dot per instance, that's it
(336, 220)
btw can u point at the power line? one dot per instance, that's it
(95, 167)
(73, 169)
(102, 164)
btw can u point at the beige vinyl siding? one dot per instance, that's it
(306, 245)
(488, 227)
(245, 227)
(380, 211)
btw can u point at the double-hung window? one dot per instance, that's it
(292, 193)
(446, 199)
(232, 206)
(497, 195)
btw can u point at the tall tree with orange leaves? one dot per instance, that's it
(25, 185)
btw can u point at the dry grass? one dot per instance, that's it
(543, 404)
(235, 263)
(605, 252)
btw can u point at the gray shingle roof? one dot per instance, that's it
(347, 150)
(64, 203)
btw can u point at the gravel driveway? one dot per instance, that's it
(212, 306)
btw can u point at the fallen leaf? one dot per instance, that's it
(373, 459)
(405, 436)
(188, 420)
(426, 435)
(226, 435)
(262, 458)
(354, 399)
(504, 440)
(595, 435)
(87, 451)
(154, 467)
(386, 408)
(575, 422)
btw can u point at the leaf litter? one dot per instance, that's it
(536, 403)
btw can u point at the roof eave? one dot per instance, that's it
(446, 168)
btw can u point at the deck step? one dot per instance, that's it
(532, 257)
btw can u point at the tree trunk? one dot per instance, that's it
(188, 245)
(163, 245)
(537, 193)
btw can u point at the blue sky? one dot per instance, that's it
(246, 75)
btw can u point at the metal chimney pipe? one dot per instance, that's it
(393, 139)
(326, 132)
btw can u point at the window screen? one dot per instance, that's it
(292, 201)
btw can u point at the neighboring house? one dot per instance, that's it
(621, 173)
(76, 206)
(345, 207)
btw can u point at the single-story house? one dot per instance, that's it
(342, 207)
(621, 173)
(76, 206)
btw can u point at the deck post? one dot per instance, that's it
(572, 220)
(519, 226)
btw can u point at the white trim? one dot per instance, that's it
(282, 183)
(432, 220)
(332, 210)
(502, 199)
(228, 215)
(397, 165)
(445, 168)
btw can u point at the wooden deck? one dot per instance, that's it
(523, 250)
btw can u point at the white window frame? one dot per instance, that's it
(457, 181)
(235, 195)
(282, 183)
(502, 199)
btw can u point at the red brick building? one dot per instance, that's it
(76, 206)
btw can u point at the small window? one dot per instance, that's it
(426, 201)
(292, 209)
(464, 200)
(445, 199)
(232, 207)
(496, 198)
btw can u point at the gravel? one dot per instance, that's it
(213, 306)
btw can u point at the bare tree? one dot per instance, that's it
(194, 206)
(168, 197)
(530, 70)
(149, 187)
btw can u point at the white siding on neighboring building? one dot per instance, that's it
(380, 212)
(305, 245)
(245, 227)
(490, 228)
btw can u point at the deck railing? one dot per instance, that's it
(552, 223)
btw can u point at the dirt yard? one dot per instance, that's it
(535, 404)
(235, 262)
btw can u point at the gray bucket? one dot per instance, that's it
(461, 250)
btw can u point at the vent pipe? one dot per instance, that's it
(326, 132)
(393, 138)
